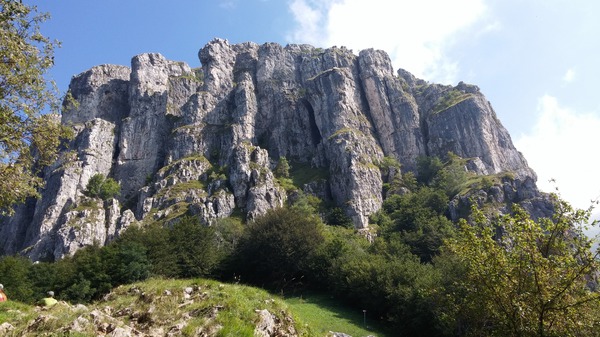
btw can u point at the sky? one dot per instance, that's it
(536, 61)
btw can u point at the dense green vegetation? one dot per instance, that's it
(420, 275)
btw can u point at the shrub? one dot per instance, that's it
(337, 217)
(13, 275)
(104, 188)
(195, 248)
(428, 168)
(538, 278)
(282, 170)
(277, 247)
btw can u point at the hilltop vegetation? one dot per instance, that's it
(194, 307)
(186, 307)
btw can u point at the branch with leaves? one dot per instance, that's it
(29, 138)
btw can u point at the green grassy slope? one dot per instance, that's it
(158, 307)
(323, 314)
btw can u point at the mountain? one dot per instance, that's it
(206, 141)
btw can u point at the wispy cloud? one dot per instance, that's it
(228, 4)
(416, 34)
(569, 76)
(309, 17)
(563, 146)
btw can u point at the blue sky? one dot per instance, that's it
(536, 61)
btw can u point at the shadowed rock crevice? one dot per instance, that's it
(315, 133)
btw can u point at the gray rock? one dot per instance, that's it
(80, 325)
(470, 129)
(337, 334)
(203, 141)
(5, 328)
(266, 324)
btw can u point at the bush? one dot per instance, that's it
(195, 248)
(428, 168)
(100, 187)
(126, 262)
(419, 218)
(337, 217)
(282, 170)
(13, 275)
(277, 247)
(538, 278)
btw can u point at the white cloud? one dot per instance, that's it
(228, 4)
(414, 33)
(563, 145)
(309, 20)
(569, 76)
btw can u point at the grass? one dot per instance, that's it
(213, 308)
(450, 99)
(303, 173)
(180, 189)
(323, 314)
(181, 161)
(88, 204)
(341, 132)
(484, 182)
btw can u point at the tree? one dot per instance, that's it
(452, 176)
(278, 246)
(14, 276)
(195, 247)
(527, 278)
(156, 239)
(126, 262)
(428, 168)
(100, 187)
(282, 170)
(28, 138)
(419, 219)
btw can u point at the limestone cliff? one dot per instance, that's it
(205, 141)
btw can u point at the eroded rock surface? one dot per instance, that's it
(205, 141)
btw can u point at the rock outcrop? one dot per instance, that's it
(205, 141)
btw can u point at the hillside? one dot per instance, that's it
(197, 307)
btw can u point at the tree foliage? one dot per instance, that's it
(428, 168)
(418, 220)
(28, 138)
(277, 246)
(100, 187)
(195, 248)
(527, 278)
(282, 170)
(14, 277)
(449, 176)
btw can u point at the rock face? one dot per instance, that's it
(205, 141)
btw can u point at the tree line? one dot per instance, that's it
(422, 274)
